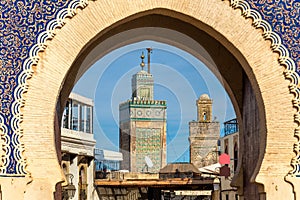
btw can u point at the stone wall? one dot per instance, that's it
(204, 143)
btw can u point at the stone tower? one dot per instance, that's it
(143, 126)
(142, 86)
(204, 134)
(204, 108)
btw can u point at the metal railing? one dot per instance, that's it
(230, 127)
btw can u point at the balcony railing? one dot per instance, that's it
(230, 127)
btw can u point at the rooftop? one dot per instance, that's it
(180, 167)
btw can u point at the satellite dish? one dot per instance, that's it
(148, 161)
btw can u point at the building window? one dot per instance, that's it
(226, 149)
(144, 93)
(227, 197)
(75, 116)
(204, 116)
(66, 115)
(226, 146)
(235, 156)
(88, 119)
(82, 117)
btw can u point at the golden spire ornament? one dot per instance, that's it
(142, 63)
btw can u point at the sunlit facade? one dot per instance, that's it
(77, 147)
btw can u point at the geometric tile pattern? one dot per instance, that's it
(279, 20)
(24, 28)
(148, 143)
(284, 18)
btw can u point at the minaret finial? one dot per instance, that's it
(149, 52)
(142, 63)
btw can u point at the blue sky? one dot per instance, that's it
(179, 78)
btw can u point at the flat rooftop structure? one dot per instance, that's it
(82, 99)
(102, 154)
(153, 182)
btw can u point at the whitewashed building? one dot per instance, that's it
(77, 147)
(106, 159)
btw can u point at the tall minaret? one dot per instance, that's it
(204, 134)
(143, 125)
(142, 82)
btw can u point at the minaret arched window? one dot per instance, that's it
(235, 154)
(204, 115)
